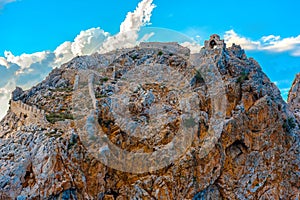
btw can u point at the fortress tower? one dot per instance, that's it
(214, 42)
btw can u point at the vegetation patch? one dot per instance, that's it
(160, 53)
(243, 77)
(54, 117)
(101, 96)
(104, 79)
(134, 57)
(68, 89)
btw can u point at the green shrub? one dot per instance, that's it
(101, 96)
(54, 117)
(160, 53)
(104, 79)
(243, 77)
(67, 89)
(134, 57)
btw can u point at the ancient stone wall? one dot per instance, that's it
(31, 113)
(172, 47)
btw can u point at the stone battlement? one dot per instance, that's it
(172, 47)
(33, 114)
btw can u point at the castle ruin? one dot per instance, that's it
(172, 47)
(214, 42)
(30, 113)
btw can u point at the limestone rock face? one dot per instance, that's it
(236, 137)
(17, 93)
(294, 97)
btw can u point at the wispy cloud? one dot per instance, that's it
(270, 43)
(282, 82)
(284, 92)
(4, 2)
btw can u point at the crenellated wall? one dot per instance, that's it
(33, 114)
(172, 47)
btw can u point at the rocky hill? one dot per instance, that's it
(294, 97)
(153, 122)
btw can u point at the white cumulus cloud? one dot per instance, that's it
(269, 43)
(25, 60)
(128, 35)
(4, 97)
(231, 37)
(140, 17)
(87, 42)
(193, 46)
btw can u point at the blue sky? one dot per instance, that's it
(32, 31)
(33, 25)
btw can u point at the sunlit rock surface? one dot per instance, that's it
(253, 153)
(294, 97)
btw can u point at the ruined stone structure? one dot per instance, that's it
(214, 42)
(31, 113)
(172, 47)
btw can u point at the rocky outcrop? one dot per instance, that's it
(294, 97)
(17, 93)
(216, 125)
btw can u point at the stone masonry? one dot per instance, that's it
(214, 42)
(31, 113)
(172, 47)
